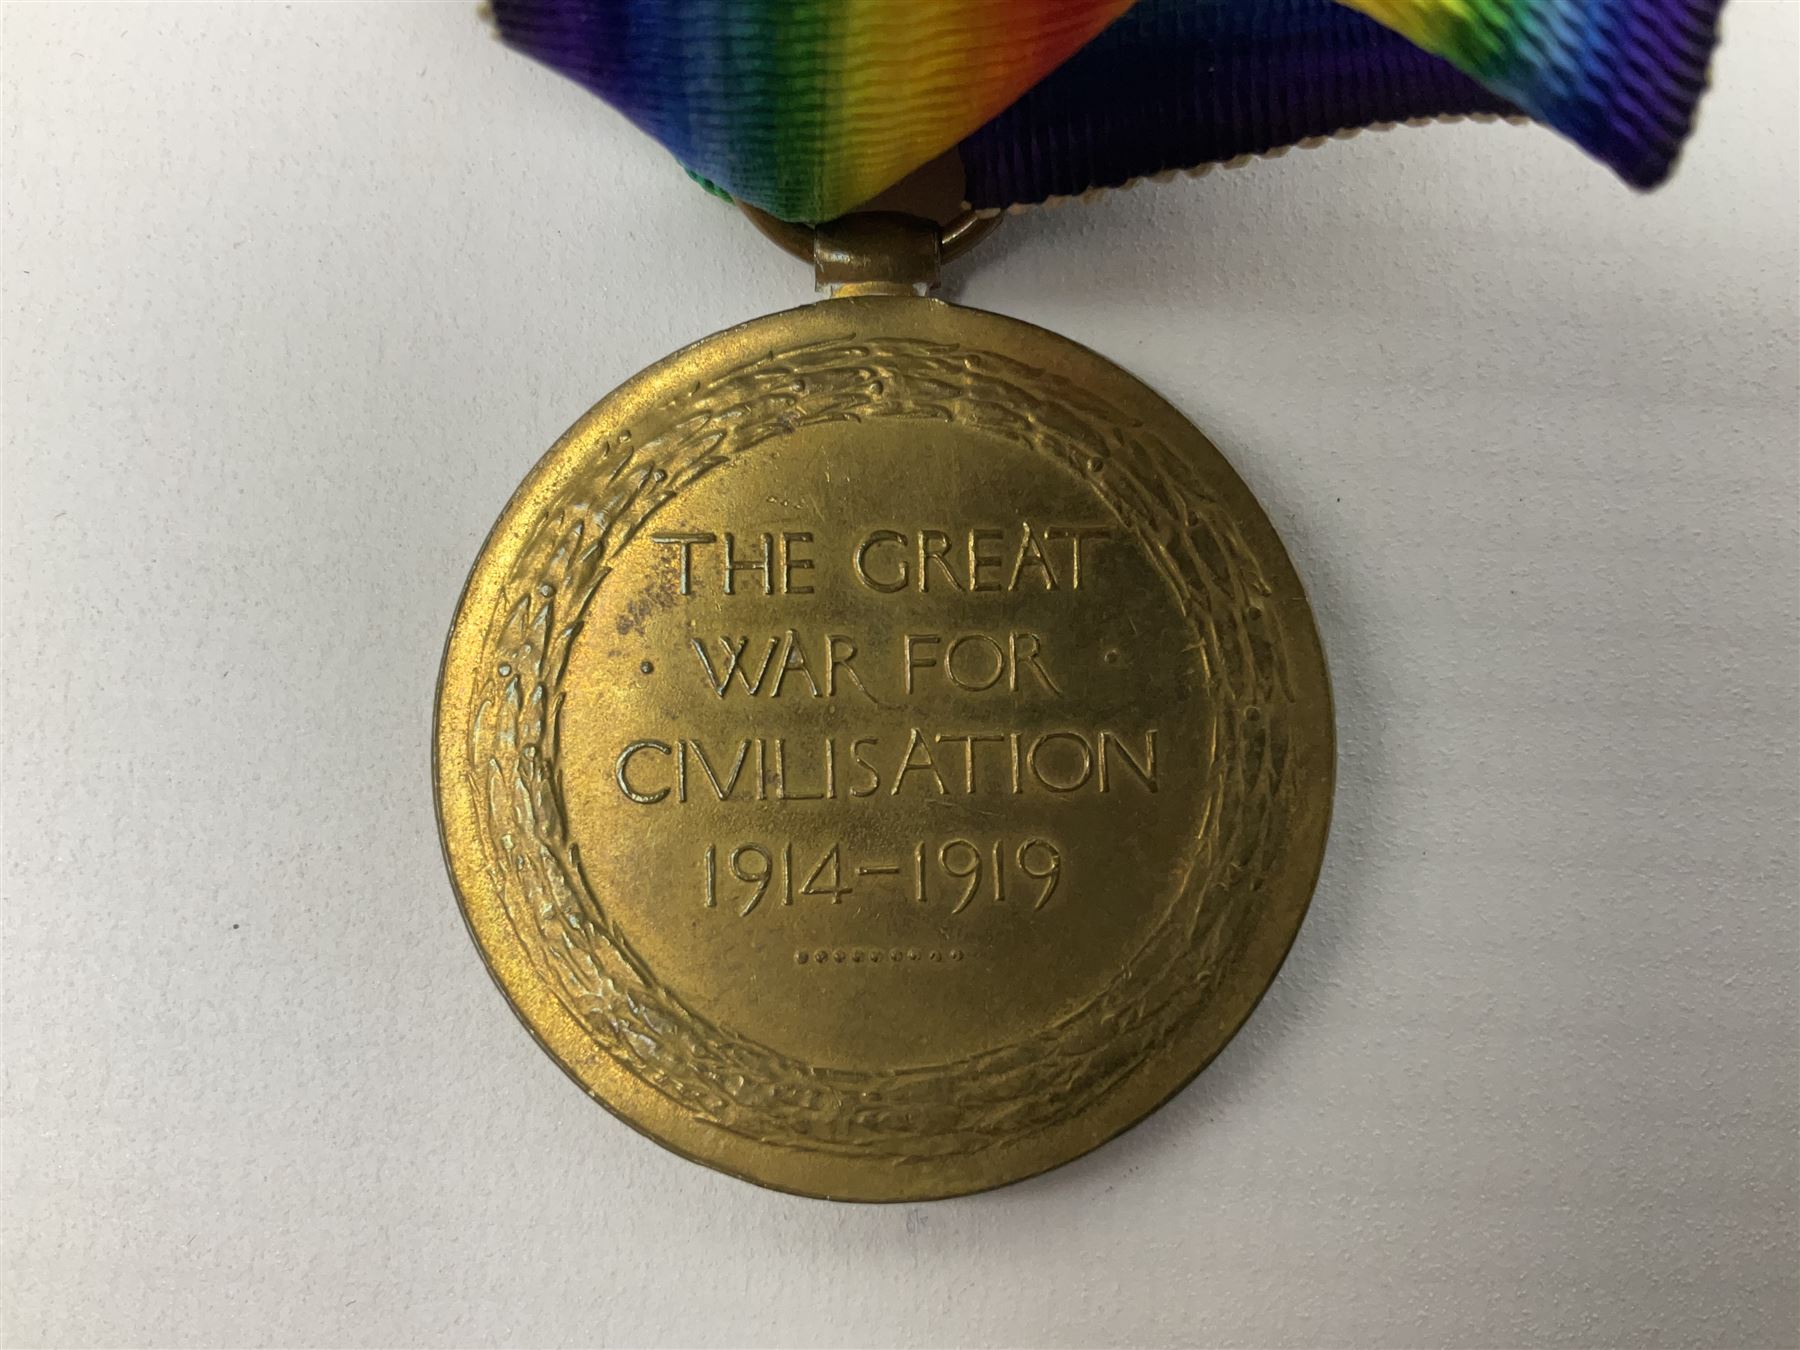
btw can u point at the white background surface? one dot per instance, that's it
(293, 298)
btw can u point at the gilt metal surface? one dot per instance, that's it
(883, 750)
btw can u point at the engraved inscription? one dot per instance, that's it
(960, 763)
(954, 874)
(975, 559)
(1018, 731)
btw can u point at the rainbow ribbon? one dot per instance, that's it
(808, 107)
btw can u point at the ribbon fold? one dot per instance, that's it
(807, 108)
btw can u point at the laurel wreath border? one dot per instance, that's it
(736, 1082)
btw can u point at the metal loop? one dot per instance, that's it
(955, 239)
(966, 231)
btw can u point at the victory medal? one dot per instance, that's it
(883, 749)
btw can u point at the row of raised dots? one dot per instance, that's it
(873, 956)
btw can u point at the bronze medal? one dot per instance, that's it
(883, 750)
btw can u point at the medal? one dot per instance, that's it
(883, 750)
